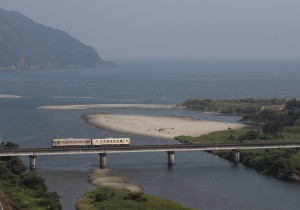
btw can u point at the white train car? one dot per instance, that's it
(72, 142)
(110, 141)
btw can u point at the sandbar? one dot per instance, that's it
(102, 178)
(9, 96)
(93, 106)
(166, 127)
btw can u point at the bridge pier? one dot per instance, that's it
(102, 160)
(32, 161)
(298, 150)
(171, 155)
(236, 155)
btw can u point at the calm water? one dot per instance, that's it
(198, 179)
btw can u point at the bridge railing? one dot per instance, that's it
(143, 147)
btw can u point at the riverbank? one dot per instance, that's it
(280, 163)
(166, 127)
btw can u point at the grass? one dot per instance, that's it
(229, 135)
(111, 199)
(213, 137)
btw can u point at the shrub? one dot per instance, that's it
(136, 197)
(250, 135)
(101, 197)
(51, 202)
(33, 181)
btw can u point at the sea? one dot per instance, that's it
(198, 179)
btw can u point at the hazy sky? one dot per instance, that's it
(166, 29)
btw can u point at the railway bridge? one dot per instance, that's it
(234, 146)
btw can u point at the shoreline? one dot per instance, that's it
(166, 127)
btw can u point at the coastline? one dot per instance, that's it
(166, 127)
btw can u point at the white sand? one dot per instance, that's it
(156, 126)
(101, 178)
(9, 96)
(93, 106)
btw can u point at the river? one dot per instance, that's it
(198, 179)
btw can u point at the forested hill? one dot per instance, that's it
(25, 45)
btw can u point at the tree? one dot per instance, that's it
(33, 181)
(273, 128)
(250, 135)
(16, 166)
(293, 104)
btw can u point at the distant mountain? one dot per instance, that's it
(26, 45)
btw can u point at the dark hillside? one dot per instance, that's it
(25, 45)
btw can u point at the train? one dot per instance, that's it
(88, 142)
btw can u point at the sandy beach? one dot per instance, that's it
(93, 106)
(166, 127)
(9, 96)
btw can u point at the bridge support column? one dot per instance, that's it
(236, 155)
(102, 160)
(171, 157)
(298, 150)
(32, 161)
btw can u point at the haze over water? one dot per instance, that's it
(198, 179)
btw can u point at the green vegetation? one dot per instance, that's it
(275, 116)
(280, 163)
(22, 189)
(234, 106)
(238, 135)
(273, 120)
(107, 198)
